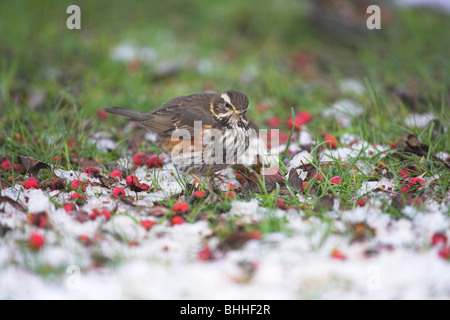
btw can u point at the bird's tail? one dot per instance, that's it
(131, 115)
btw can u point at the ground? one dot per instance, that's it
(357, 207)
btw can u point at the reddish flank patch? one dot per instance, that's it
(139, 158)
(177, 220)
(147, 224)
(438, 238)
(154, 162)
(119, 192)
(205, 254)
(331, 141)
(31, 183)
(116, 173)
(337, 254)
(36, 241)
(180, 207)
(336, 179)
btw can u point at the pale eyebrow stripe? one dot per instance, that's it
(225, 97)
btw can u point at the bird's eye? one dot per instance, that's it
(228, 105)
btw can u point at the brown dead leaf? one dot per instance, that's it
(157, 210)
(237, 239)
(294, 180)
(32, 165)
(107, 182)
(12, 202)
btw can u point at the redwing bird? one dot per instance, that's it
(203, 133)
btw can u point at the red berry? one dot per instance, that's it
(204, 254)
(336, 179)
(406, 188)
(199, 194)
(106, 214)
(144, 186)
(139, 158)
(331, 141)
(281, 204)
(116, 173)
(403, 173)
(418, 182)
(438, 238)
(274, 122)
(36, 240)
(68, 206)
(31, 183)
(147, 224)
(91, 171)
(298, 123)
(337, 254)
(361, 203)
(283, 137)
(180, 207)
(444, 253)
(57, 184)
(79, 198)
(318, 176)
(230, 186)
(229, 193)
(6, 165)
(416, 201)
(119, 192)
(76, 184)
(101, 114)
(132, 180)
(177, 220)
(154, 162)
(304, 116)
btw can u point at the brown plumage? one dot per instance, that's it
(192, 148)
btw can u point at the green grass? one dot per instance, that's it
(250, 50)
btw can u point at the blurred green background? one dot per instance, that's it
(282, 53)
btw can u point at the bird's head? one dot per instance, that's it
(230, 108)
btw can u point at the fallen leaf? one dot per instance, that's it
(294, 180)
(12, 202)
(237, 239)
(32, 165)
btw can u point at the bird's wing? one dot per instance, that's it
(180, 113)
